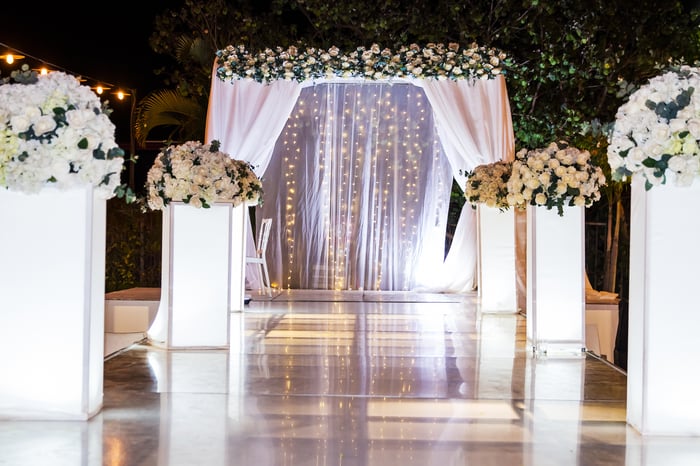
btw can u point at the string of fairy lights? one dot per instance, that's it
(370, 147)
(13, 56)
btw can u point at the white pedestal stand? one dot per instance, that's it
(203, 275)
(497, 274)
(52, 282)
(556, 281)
(664, 314)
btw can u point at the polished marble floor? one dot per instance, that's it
(353, 382)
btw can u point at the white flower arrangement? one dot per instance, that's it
(556, 176)
(487, 184)
(657, 130)
(437, 61)
(55, 132)
(199, 175)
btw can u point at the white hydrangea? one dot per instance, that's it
(657, 130)
(54, 132)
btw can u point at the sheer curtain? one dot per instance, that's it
(246, 118)
(475, 127)
(357, 175)
(358, 188)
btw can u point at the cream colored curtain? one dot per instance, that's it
(357, 175)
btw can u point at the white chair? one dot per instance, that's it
(259, 258)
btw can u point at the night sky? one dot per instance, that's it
(105, 45)
(108, 45)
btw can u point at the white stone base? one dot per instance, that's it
(664, 312)
(556, 281)
(52, 279)
(203, 275)
(497, 274)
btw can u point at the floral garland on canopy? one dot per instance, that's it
(437, 61)
(657, 130)
(56, 132)
(487, 184)
(554, 176)
(199, 175)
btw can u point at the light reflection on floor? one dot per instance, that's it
(353, 383)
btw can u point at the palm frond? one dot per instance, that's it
(167, 110)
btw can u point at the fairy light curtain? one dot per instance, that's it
(361, 190)
(357, 174)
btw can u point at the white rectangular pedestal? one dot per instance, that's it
(497, 274)
(202, 275)
(52, 246)
(664, 311)
(556, 280)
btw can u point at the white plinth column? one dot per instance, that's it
(555, 280)
(203, 275)
(52, 280)
(497, 274)
(664, 311)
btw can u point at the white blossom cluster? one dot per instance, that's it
(55, 132)
(657, 130)
(556, 176)
(199, 175)
(487, 184)
(437, 61)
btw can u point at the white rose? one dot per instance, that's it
(44, 124)
(660, 132)
(692, 165)
(694, 127)
(20, 123)
(532, 183)
(561, 188)
(677, 125)
(677, 164)
(614, 160)
(636, 155)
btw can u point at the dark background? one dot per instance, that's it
(108, 46)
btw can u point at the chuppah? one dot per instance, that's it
(364, 147)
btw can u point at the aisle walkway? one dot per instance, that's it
(361, 382)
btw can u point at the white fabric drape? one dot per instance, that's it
(473, 127)
(247, 117)
(362, 190)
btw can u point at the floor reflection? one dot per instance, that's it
(353, 383)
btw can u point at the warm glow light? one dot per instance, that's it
(10, 57)
(99, 89)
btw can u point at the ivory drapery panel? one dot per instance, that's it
(475, 127)
(374, 243)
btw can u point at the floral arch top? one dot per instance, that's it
(436, 61)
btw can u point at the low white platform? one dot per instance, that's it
(602, 320)
(131, 310)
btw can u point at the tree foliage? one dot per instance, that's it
(573, 62)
